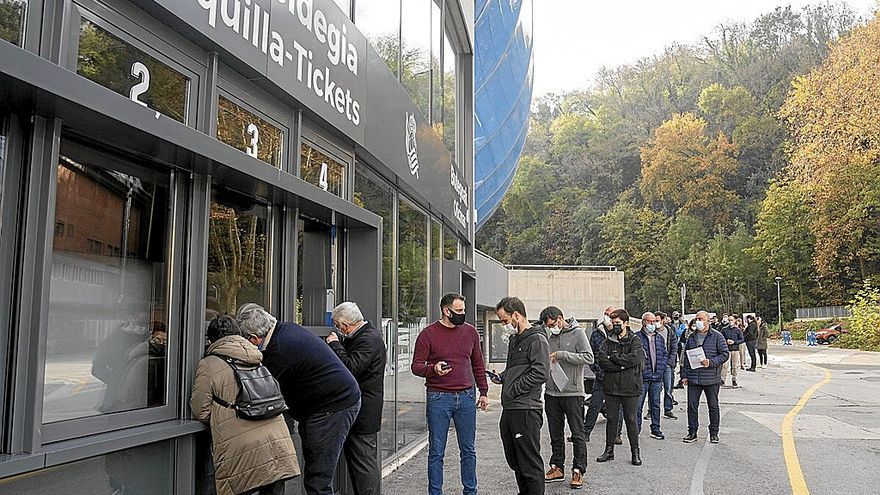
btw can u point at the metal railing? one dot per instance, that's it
(586, 268)
(823, 312)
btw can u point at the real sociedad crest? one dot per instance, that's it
(412, 151)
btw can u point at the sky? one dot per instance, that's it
(573, 39)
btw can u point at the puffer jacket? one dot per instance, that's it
(247, 454)
(734, 333)
(654, 374)
(573, 352)
(623, 361)
(528, 367)
(717, 352)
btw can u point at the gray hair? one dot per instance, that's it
(347, 313)
(254, 320)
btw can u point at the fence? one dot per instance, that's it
(823, 313)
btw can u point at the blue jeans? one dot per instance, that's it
(668, 399)
(323, 435)
(461, 408)
(651, 390)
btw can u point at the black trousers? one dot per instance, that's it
(559, 411)
(521, 439)
(362, 458)
(630, 406)
(762, 354)
(276, 488)
(750, 345)
(694, 393)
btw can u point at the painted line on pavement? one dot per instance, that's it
(792, 464)
(702, 464)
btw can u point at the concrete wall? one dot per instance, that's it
(578, 293)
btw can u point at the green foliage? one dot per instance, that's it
(800, 328)
(864, 325)
(675, 169)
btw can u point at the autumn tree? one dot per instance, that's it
(684, 170)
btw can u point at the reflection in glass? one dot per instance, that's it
(376, 195)
(108, 295)
(450, 245)
(237, 246)
(379, 21)
(147, 469)
(498, 340)
(319, 169)
(436, 267)
(245, 131)
(12, 16)
(412, 317)
(449, 113)
(415, 55)
(118, 66)
(436, 68)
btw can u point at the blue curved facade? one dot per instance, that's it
(502, 97)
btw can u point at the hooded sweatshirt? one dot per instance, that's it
(573, 352)
(528, 367)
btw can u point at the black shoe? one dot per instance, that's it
(618, 440)
(670, 415)
(569, 440)
(751, 369)
(734, 382)
(587, 437)
(690, 438)
(648, 416)
(678, 385)
(714, 438)
(674, 402)
(658, 435)
(636, 458)
(608, 455)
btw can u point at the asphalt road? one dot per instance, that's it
(836, 438)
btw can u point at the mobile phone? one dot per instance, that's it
(445, 366)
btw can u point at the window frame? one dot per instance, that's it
(78, 427)
(331, 148)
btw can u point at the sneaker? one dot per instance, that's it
(577, 480)
(674, 402)
(618, 440)
(714, 438)
(690, 438)
(658, 435)
(670, 415)
(648, 416)
(554, 474)
(734, 382)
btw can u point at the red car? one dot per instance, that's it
(830, 334)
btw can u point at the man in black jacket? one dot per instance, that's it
(522, 415)
(362, 351)
(734, 337)
(751, 336)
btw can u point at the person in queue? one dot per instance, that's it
(656, 362)
(597, 399)
(705, 379)
(622, 359)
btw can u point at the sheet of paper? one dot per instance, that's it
(695, 356)
(559, 376)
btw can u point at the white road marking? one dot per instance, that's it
(702, 464)
(814, 426)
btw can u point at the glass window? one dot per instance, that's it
(245, 131)
(436, 267)
(374, 194)
(436, 68)
(415, 73)
(108, 296)
(450, 245)
(379, 21)
(116, 65)
(498, 340)
(237, 252)
(143, 469)
(449, 80)
(321, 170)
(412, 317)
(12, 17)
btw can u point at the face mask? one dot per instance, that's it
(555, 330)
(650, 328)
(509, 328)
(617, 329)
(606, 320)
(456, 318)
(724, 321)
(699, 325)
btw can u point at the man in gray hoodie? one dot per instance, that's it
(564, 402)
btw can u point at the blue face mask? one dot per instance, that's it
(650, 328)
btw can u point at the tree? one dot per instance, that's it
(684, 170)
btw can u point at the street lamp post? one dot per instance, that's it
(779, 302)
(683, 294)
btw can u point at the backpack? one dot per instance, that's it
(259, 396)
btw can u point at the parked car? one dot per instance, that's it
(830, 334)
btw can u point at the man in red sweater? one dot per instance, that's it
(449, 356)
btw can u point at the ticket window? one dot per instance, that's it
(319, 273)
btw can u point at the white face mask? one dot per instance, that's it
(509, 328)
(650, 328)
(699, 325)
(555, 330)
(606, 320)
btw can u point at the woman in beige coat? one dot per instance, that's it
(249, 456)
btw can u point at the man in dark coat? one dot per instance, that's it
(751, 336)
(362, 351)
(323, 396)
(705, 379)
